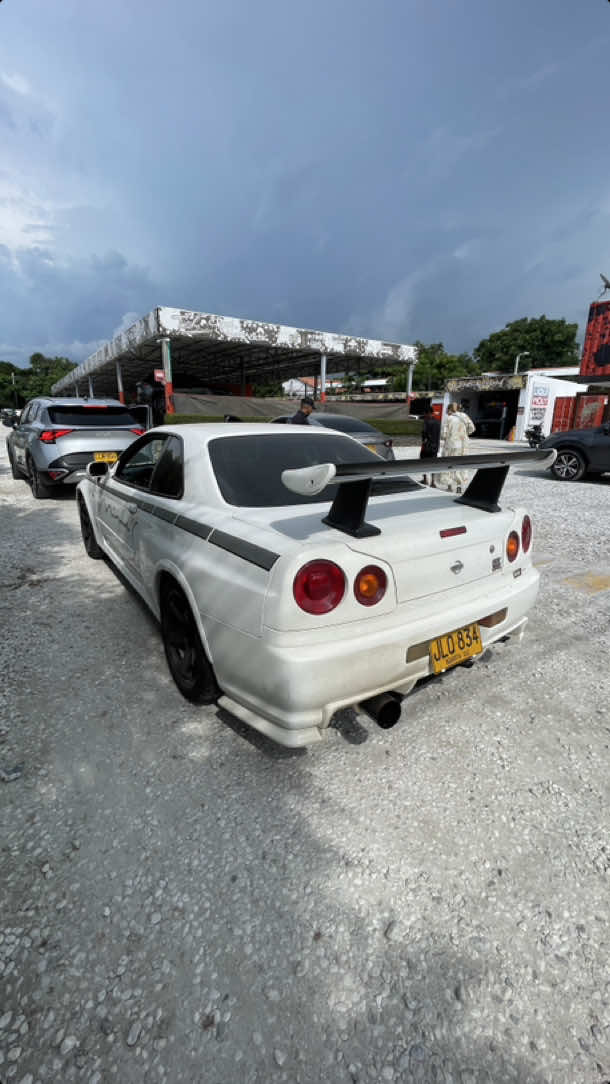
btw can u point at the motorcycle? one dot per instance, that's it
(534, 435)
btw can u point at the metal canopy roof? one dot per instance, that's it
(207, 348)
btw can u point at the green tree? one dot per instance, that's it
(38, 379)
(435, 366)
(549, 342)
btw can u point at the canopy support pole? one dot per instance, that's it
(167, 373)
(119, 382)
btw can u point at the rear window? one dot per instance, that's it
(82, 416)
(248, 469)
(344, 425)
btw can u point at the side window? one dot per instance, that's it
(138, 463)
(168, 479)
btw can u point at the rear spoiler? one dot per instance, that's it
(348, 510)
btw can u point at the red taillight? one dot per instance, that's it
(318, 587)
(370, 585)
(138, 432)
(526, 533)
(512, 546)
(49, 436)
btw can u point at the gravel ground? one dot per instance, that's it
(183, 901)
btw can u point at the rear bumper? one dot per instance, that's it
(293, 687)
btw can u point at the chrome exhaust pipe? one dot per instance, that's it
(384, 709)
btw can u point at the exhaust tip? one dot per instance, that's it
(384, 709)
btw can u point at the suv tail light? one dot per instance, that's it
(370, 585)
(49, 436)
(526, 533)
(139, 432)
(319, 587)
(512, 546)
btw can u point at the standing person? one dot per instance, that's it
(158, 403)
(454, 435)
(302, 415)
(430, 441)
(468, 422)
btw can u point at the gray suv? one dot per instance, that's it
(54, 439)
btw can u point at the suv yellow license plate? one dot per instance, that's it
(105, 457)
(455, 647)
(372, 447)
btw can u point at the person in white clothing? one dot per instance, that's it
(454, 436)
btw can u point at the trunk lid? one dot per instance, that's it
(424, 560)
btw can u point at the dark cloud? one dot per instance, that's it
(397, 170)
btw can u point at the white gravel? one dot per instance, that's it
(180, 900)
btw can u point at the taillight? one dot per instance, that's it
(318, 587)
(512, 546)
(49, 436)
(526, 533)
(138, 432)
(370, 585)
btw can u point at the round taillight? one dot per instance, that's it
(318, 587)
(526, 533)
(512, 546)
(370, 585)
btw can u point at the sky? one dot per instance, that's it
(399, 169)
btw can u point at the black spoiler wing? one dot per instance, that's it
(348, 510)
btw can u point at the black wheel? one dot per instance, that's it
(569, 466)
(86, 529)
(15, 473)
(39, 490)
(184, 652)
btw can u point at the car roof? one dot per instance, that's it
(210, 430)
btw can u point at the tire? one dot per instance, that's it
(86, 529)
(186, 658)
(40, 491)
(569, 466)
(15, 473)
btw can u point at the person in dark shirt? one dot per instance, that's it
(302, 415)
(430, 442)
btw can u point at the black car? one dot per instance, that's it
(580, 452)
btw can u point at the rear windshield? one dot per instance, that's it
(344, 425)
(248, 469)
(81, 416)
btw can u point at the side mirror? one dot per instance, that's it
(9, 423)
(97, 469)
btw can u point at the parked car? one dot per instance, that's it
(286, 588)
(372, 438)
(580, 452)
(54, 439)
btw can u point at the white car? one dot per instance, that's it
(294, 572)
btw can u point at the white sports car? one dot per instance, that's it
(294, 572)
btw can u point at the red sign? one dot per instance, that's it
(159, 376)
(596, 350)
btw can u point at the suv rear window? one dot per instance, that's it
(98, 416)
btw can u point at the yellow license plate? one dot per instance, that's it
(105, 457)
(372, 447)
(455, 647)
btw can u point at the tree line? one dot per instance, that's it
(541, 342)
